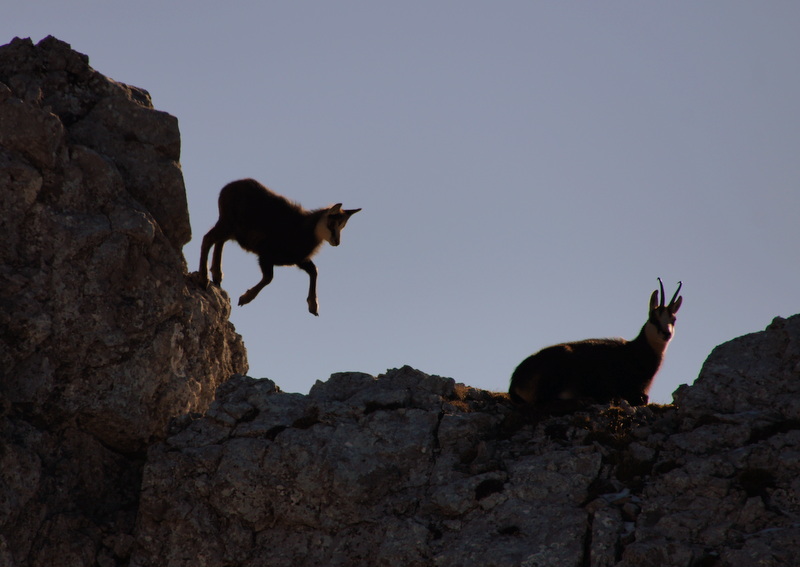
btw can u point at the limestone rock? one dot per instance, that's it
(726, 490)
(103, 335)
(412, 469)
(100, 321)
(403, 469)
(746, 375)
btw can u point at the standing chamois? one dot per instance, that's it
(282, 233)
(599, 369)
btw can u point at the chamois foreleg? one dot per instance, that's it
(266, 277)
(308, 267)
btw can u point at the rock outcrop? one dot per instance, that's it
(131, 436)
(103, 336)
(411, 469)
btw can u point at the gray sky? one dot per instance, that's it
(526, 169)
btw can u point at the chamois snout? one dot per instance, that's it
(330, 225)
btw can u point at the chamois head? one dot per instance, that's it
(661, 322)
(330, 224)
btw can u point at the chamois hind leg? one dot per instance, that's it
(215, 237)
(266, 277)
(216, 263)
(308, 267)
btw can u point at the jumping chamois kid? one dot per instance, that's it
(599, 369)
(282, 233)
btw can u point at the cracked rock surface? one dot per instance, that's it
(100, 322)
(412, 469)
(103, 336)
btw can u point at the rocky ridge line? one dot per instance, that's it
(412, 469)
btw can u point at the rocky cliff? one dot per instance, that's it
(103, 337)
(116, 450)
(412, 469)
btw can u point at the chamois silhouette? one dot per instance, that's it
(280, 232)
(599, 369)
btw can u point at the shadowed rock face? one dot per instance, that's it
(100, 323)
(112, 452)
(412, 469)
(103, 337)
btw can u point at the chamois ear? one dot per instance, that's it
(350, 212)
(654, 301)
(337, 208)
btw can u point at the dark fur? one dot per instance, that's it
(599, 369)
(279, 231)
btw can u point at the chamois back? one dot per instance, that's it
(269, 224)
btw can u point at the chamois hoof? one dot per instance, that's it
(313, 307)
(246, 298)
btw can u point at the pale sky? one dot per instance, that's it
(526, 169)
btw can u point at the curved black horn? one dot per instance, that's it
(661, 285)
(677, 291)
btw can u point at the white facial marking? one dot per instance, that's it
(322, 231)
(660, 332)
